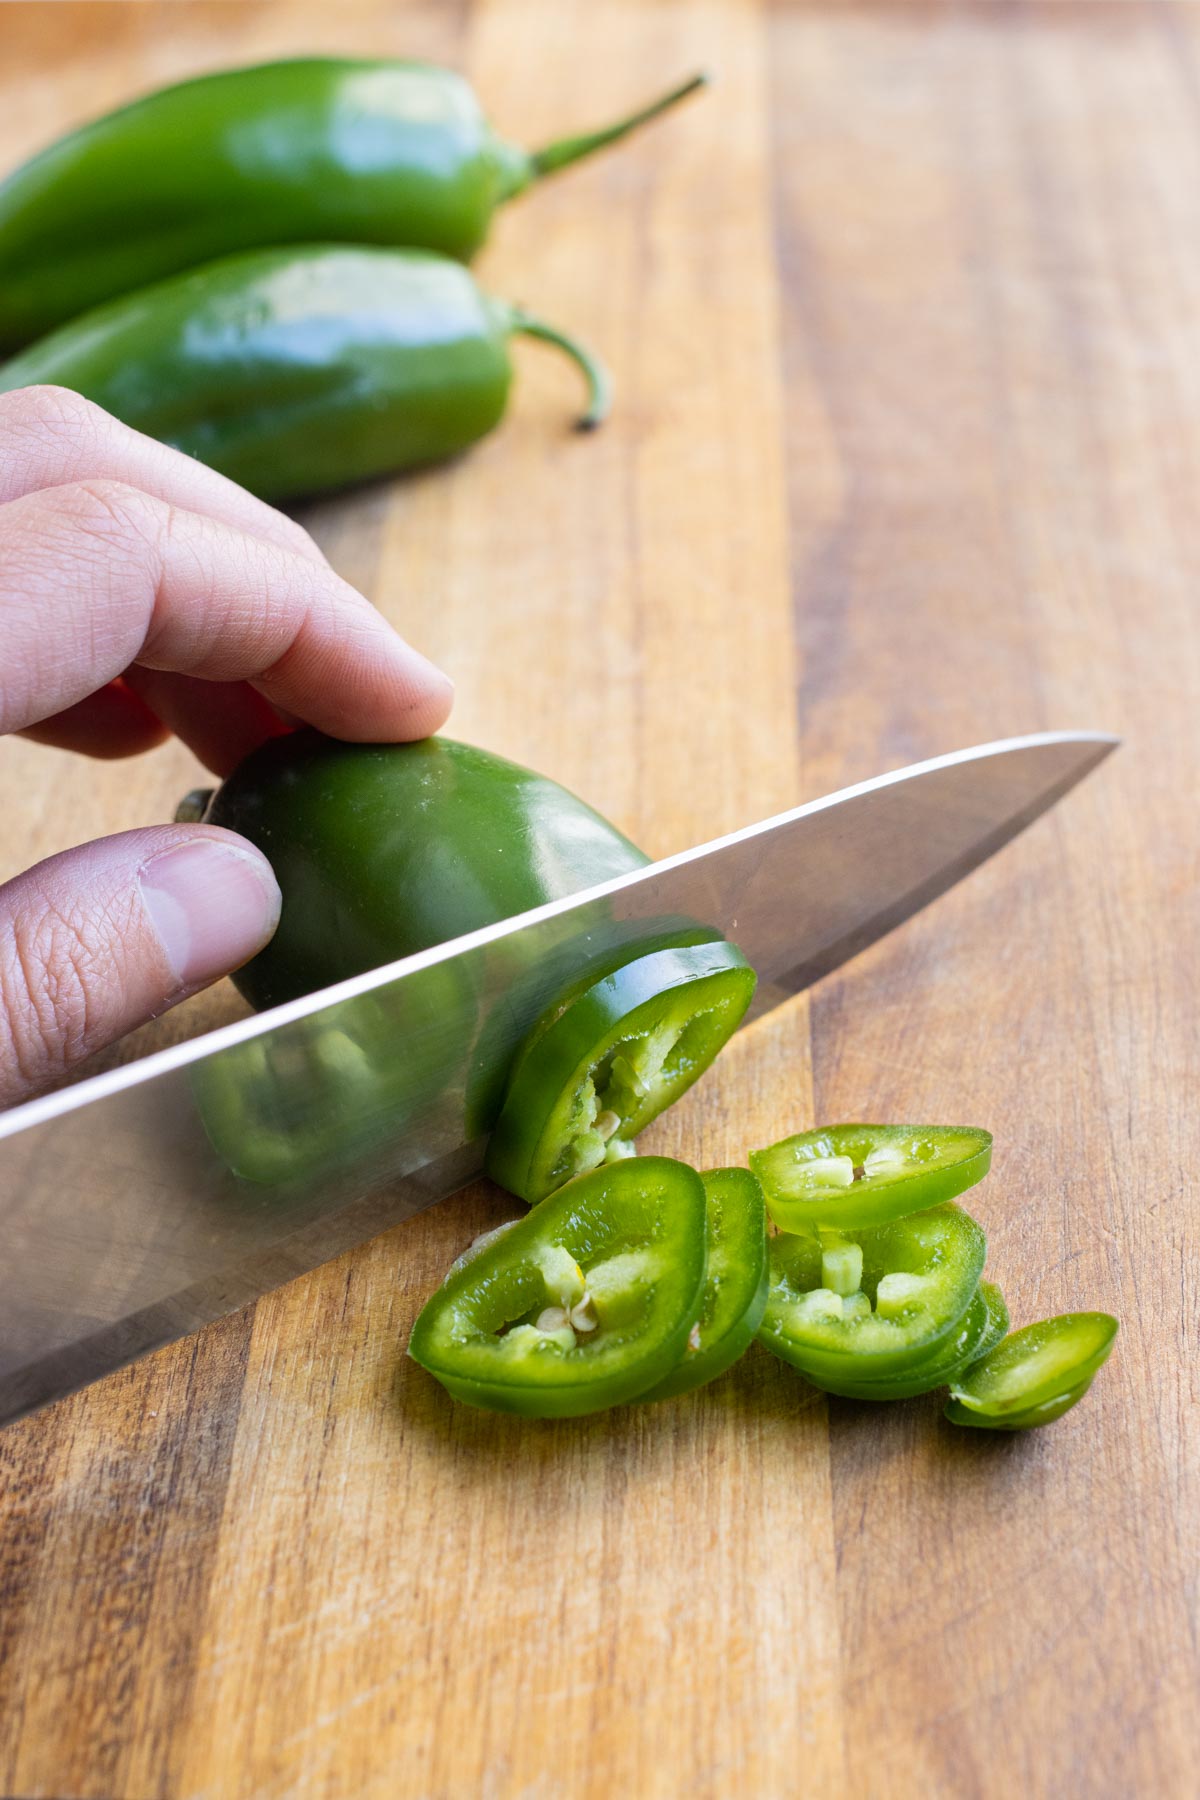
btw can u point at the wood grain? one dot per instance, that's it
(907, 444)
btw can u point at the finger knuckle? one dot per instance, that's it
(109, 520)
(106, 503)
(46, 407)
(77, 585)
(47, 411)
(55, 965)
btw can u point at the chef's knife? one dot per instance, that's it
(130, 1212)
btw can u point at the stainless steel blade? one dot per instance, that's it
(150, 1199)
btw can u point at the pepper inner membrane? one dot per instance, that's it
(893, 1288)
(553, 1304)
(632, 1081)
(797, 1168)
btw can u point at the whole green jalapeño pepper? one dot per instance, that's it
(381, 850)
(583, 1305)
(307, 151)
(595, 1071)
(300, 370)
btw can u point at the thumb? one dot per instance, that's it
(99, 939)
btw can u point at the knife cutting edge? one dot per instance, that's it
(125, 1225)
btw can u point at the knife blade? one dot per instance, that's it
(145, 1201)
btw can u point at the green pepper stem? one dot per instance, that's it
(599, 382)
(193, 806)
(563, 151)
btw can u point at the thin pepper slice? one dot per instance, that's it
(983, 1324)
(596, 1070)
(1044, 1414)
(1035, 1374)
(845, 1308)
(858, 1175)
(735, 1287)
(998, 1320)
(582, 1305)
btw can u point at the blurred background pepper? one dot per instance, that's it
(298, 370)
(312, 150)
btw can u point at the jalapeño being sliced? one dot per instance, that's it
(325, 1091)
(596, 1069)
(1035, 1375)
(852, 1175)
(585, 1303)
(877, 1302)
(984, 1324)
(735, 1287)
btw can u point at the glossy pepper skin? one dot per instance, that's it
(735, 1283)
(1033, 1376)
(304, 151)
(385, 849)
(296, 371)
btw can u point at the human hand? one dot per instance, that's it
(142, 594)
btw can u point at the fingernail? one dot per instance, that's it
(212, 904)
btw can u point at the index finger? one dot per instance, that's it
(97, 576)
(51, 436)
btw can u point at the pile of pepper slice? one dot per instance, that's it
(636, 1278)
(876, 1289)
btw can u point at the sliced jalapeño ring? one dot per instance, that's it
(855, 1307)
(595, 1071)
(856, 1175)
(581, 1305)
(1023, 1380)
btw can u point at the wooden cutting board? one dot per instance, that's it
(905, 324)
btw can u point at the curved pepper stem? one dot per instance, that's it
(599, 382)
(563, 151)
